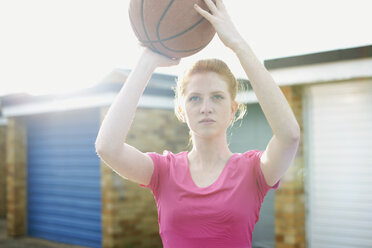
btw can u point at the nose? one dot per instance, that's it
(206, 107)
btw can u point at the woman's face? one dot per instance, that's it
(207, 105)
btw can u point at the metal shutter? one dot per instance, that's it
(63, 185)
(339, 145)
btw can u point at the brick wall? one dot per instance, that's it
(290, 197)
(2, 171)
(129, 213)
(16, 177)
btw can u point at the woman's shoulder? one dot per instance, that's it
(248, 155)
(169, 155)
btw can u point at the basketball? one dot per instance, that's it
(170, 27)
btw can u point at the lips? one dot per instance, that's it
(207, 120)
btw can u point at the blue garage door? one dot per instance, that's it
(64, 193)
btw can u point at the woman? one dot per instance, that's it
(208, 197)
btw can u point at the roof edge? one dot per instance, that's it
(321, 57)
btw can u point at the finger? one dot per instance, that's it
(203, 13)
(211, 5)
(220, 5)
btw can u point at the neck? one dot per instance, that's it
(208, 153)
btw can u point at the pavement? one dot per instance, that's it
(27, 242)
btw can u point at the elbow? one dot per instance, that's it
(102, 145)
(106, 149)
(100, 148)
(296, 133)
(290, 135)
(98, 144)
(103, 153)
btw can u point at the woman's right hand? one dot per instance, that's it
(157, 59)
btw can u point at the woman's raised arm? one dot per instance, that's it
(282, 148)
(110, 143)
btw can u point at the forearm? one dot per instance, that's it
(271, 99)
(119, 118)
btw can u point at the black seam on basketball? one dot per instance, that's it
(170, 49)
(187, 30)
(161, 18)
(143, 25)
(174, 36)
(183, 51)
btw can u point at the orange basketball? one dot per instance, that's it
(170, 27)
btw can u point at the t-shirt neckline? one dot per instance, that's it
(215, 182)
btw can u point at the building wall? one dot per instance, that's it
(16, 162)
(2, 171)
(129, 212)
(290, 196)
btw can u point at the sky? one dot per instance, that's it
(59, 46)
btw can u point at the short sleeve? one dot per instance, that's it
(262, 185)
(161, 166)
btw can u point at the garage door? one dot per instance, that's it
(339, 142)
(63, 185)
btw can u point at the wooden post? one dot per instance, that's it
(16, 179)
(289, 198)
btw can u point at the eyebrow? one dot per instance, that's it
(214, 92)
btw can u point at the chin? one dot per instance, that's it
(207, 134)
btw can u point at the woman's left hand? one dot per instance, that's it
(221, 22)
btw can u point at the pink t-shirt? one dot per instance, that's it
(220, 215)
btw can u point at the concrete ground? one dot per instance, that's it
(27, 242)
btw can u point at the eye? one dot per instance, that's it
(218, 96)
(193, 98)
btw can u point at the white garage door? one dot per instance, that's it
(339, 155)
